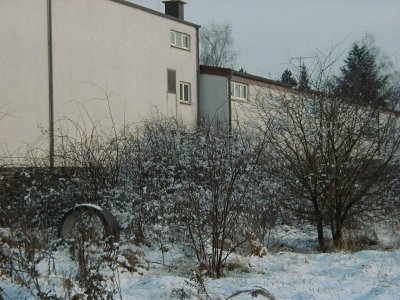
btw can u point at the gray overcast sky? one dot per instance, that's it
(268, 32)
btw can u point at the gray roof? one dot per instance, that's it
(226, 71)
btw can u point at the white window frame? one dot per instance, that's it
(180, 40)
(182, 94)
(239, 91)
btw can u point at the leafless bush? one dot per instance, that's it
(96, 258)
(21, 251)
(333, 161)
(94, 155)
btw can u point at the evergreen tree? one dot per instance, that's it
(287, 77)
(304, 81)
(360, 80)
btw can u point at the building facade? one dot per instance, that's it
(90, 63)
(227, 97)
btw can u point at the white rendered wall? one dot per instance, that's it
(105, 49)
(23, 79)
(245, 112)
(101, 50)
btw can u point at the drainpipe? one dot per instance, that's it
(229, 101)
(198, 75)
(50, 70)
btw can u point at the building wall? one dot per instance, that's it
(245, 112)
(217, 104)
(23, 77)
(110, 61)
(103, 48)
(214, 98)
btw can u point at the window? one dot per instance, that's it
(313, 107)
(171, 74)
(185, 91)
(185, 41)
(180, 40)
(239, 91)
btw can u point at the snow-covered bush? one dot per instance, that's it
(198, 185)
(166, 183)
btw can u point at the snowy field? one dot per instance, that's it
(368, 274)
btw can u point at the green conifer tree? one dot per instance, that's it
(304, 81)
(287, 77)
(360, 80)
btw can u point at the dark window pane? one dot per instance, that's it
(171, 81)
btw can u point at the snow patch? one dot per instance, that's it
(96, 207)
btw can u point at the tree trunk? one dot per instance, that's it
(337, 234)
(320, 230)
(319, 219)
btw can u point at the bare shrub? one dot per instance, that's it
(94, 156)
(97, 264)
(20, 254)
(333, 161)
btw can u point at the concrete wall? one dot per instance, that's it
(109, 59)
(214, 98)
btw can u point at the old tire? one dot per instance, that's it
(110, 223)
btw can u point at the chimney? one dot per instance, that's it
(174, 8)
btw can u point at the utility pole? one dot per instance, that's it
(300, 58)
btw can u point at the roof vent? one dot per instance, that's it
(174, 8)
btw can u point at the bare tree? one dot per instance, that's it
(216, 46)
(334, 160)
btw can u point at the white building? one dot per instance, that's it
(88, 60)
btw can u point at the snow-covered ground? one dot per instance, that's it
(368, 274)
(362, 275)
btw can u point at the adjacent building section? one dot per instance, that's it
(226, 96)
